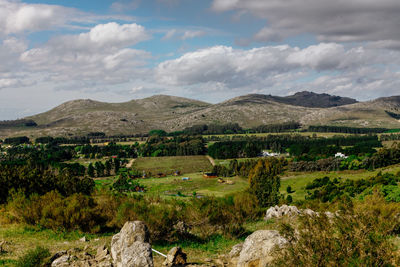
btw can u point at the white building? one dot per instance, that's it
(340, 155)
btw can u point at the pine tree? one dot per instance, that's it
(265, 182)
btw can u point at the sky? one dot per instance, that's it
(211, 50)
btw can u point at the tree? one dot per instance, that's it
(90, 170)
(265, 182)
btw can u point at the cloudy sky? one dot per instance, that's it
(52, 51)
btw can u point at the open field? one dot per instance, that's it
(168, 165)
(205, 186)
(173, 185)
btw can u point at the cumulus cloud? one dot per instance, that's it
(17, 17)
(330, 21)
(232, 66)
(278, 69)
(102, 55)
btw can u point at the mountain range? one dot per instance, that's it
(173, 113)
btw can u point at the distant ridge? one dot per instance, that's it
(302, 99)
(172, 113)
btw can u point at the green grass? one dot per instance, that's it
(299, 180)
(168, 165)
(22, 238)
(171, 185)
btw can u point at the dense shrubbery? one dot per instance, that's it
(360, 236)
(33, 258)
(157, 146)
(17, 140)
(325, 189)
(31, 180)
(230, 128)
(204, 217)
(276, 128)
(301, 147)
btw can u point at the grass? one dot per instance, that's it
(21, 238)
(171, 185)
(299, 180)
(198, 251)
(168, 165)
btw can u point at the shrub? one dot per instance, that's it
(359, 236)
(33, 258)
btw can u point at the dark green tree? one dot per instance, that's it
(90, 170)
(265, 182)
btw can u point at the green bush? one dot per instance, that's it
(361, 235)
(33, 258)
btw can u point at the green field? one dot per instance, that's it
(168, 165)
(202, 186)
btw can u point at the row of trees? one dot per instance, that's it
(298, 146)
(344, 129)
(33, 180)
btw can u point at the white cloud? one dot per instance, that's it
(100, 56)
(170, 34)
(192, 34)
(17, 17)
(329, 21)
(354, 71)
(235, 66)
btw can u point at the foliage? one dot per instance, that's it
(229, 128)
(53, 211)
(34, 180)
(125, 184)
(344, 129)
(34, 257)
(326, 189)
(360, 235)
(17, 140)
(265, 182)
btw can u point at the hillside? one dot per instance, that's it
(175, 113)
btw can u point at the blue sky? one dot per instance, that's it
(211, 50)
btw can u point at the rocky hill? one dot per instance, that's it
(175, 113)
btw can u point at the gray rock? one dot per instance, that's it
(284, 210)
(83, 239)
(58, 255)
(258, 248)
(309, 212)
(235, 251)
(175, 257)
(131, 247)
(61, 261)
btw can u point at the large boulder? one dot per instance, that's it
(131, 246)
(258, 248)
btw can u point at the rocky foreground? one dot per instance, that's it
(131, 247)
